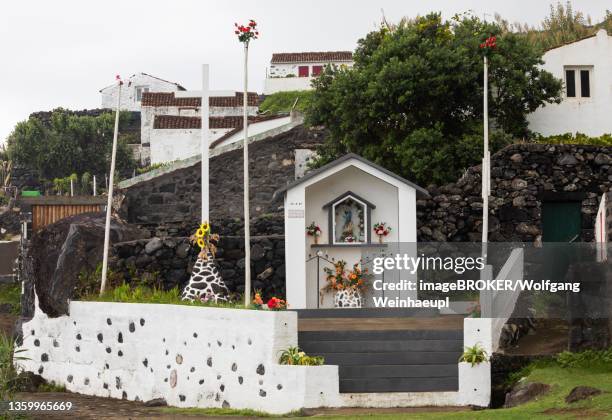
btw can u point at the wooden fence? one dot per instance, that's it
(49, 209)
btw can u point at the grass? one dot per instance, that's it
(283, 101)
(142, 294)
(10, 381)
(11, 294)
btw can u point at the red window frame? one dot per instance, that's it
(303, 71)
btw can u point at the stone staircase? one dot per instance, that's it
(390, 356)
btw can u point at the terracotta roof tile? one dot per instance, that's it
(156, 99)
(181, 122)
(311, 57)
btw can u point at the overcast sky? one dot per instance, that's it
(60, 53)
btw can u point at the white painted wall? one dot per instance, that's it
(190, 356)
(277, 80)
(168, 145)
(590, 116)
(255, 129)
(128, 91)
(286, 84)
(285, 69)
(158, 144)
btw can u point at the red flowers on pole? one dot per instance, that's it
(118, 79)
(490, 43)
(246, 32)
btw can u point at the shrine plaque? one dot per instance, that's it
(295, 214)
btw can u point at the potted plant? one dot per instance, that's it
(295, 356)
(347, 285)
(475, 376)
(313, 230)
(273, 304)
(382, 229)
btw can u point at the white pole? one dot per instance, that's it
(485, 171)
(204, 143)
(109, 203)
(94, 185)
(247, 232)
(71, 187)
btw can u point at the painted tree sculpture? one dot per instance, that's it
(205, 283)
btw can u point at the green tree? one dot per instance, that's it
(69, 144)
(413, 100)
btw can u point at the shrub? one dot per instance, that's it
(578, 138)
(585, 359)
(294, 356)
(474, 355)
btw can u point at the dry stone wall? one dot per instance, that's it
(523, 177)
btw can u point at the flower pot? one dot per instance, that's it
(348, 298)
(380, 239)
(316, 239)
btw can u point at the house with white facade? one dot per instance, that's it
(295, 71)
(585, 67)
(171, 125)
(133, 89)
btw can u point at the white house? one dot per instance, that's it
(295, 71)
(352, 186)
(170, 125)
(133, 89)
(585, 66)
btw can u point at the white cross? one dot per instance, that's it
(205, 94)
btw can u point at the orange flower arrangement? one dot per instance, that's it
(339, 278)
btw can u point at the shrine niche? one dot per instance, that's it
(349, 220)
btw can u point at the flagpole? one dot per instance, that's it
(109, 203)
(247, 227)
(204, 144)
(485, 171)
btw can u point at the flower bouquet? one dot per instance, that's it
(381, 229)
(204, 239)
(347, 285)
(313, 230)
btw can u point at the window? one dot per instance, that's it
(139, 91)
(316, 70)
(303, 71)
(578, 82)
(570, 83)
(585, 85)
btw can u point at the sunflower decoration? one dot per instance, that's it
(204, 239)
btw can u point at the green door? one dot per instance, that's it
(561, 221)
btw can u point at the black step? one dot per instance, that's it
(399, 371)
(306, 336)
(391, 358)
(366, 346)
(399, 385)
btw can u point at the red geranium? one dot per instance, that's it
(246, 32)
